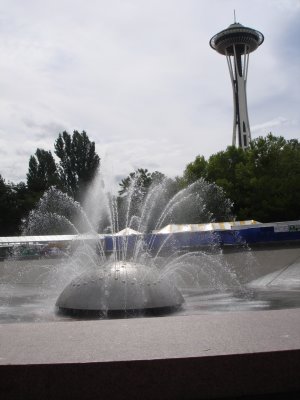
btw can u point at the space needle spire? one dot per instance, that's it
(236, 43)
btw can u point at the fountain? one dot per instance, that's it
(133, 270)
(134, 267)
(140, 271)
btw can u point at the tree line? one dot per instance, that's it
(261, 183)
(76, 166)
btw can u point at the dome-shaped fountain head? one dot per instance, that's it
(238, 36)
(120, 286)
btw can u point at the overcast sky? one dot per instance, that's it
(140, 78)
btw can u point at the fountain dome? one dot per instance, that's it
(120, 286)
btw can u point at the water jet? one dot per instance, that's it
(131, 269)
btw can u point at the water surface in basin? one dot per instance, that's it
(31, 303)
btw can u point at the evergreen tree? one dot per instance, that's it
(78, 162)
(42, 171)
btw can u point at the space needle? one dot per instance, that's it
(236, 43)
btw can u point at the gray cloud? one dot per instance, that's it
(270, 124)
(43, 130)
(139, 77)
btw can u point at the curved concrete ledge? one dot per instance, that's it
(188, 357)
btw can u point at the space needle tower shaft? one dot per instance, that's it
(236, 43)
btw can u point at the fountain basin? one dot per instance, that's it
(120, 286)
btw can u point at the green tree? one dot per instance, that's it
(199, 202)
(263, 182)
(195, 170)
(78, 162)
(25, 200)
(151, 201)
(7, 227)
(15, 203)
(224, 169)
(274, 185)
(132, 195)
(139, 182)
(42, 171)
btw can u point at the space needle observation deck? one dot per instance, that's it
(236, 43)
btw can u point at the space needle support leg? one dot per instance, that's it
(241, 67)
(246, 61)
(231, 72)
